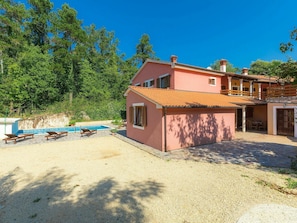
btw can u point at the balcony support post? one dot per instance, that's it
(259, 90)
(244, 118)
(251, 88)
(229, 85)
(241, 86)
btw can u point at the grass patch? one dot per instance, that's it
(292, 184)
(243, 175)
(276, 187)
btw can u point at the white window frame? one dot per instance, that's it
(212, 79)
(134, 115)
(160, 81)
(137, 84)
(148, 83)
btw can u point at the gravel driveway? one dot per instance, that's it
(105, 179)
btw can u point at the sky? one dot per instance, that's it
(198, 32)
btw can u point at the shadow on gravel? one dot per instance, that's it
(238, 151)
(53, 197)
(246, 152)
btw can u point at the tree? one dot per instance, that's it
(12, 18)
(288, 71)
(30, 84)
(289, 46)
(262, 67)
(38, 25)
(92, 86)
(144, 50)
(68, 49)
(229, 67)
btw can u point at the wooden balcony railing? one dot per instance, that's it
(239, 93)
(282, 91)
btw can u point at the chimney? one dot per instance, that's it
(223, 65)
(173, 59)
(245, 71)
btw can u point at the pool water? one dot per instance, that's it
(62, 129)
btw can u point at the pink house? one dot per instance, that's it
(172, 105)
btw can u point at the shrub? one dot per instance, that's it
(292, 184)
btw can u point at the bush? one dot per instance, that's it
(292, 184)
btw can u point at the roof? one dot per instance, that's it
(259, 78)
(189, 99)
(181, 66)
(264, 78)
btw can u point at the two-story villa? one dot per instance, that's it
(172, 105)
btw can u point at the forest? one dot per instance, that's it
(51, 63)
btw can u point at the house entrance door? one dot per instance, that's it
(285, 122)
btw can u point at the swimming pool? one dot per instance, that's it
(60, 129)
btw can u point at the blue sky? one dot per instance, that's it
(198, 32)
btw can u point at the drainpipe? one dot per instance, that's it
(165, 129)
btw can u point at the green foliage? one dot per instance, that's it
(144, 50)
(81, 108)
(229, 67)
(292, 184)
(289, 46)
(53, 64)
(261, 67)
(288, 71)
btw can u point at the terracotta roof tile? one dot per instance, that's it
(177, 98)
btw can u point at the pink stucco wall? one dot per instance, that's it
(185, 127)
(189, 127)
(195, 81)
(151, 135)
(152, 71)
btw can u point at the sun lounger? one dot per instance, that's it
(13, 137)
(55, 135)
(87, 132)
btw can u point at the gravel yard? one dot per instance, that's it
(105, 179)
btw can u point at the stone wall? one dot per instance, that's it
(47, 121)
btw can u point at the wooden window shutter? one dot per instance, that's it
(158, 82)
(131, 114)
(144, 116)
(168, 80)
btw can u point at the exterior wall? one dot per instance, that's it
(151, 135)
(190, 127)
(260, 113)
(153, 71)
(271, 117)
(194, 81)
(8, 126)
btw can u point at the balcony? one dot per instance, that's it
(282, 91)
(243, 93)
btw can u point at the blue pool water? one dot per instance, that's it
(60, 129)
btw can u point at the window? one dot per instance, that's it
(138, 84)
(212, 81)
(149, 83)
(138, 115)
(163, 81)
